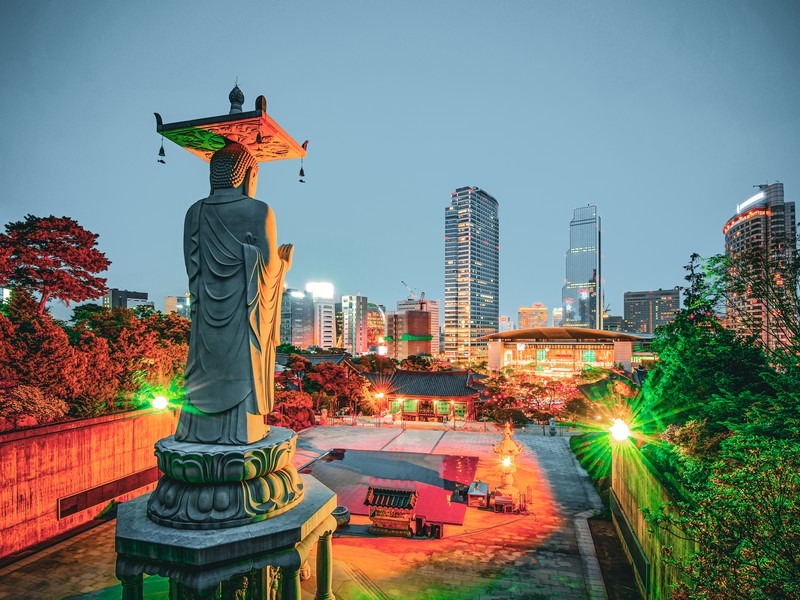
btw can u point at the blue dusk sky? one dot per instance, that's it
(663, 114)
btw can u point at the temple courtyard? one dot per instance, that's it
(544, 552)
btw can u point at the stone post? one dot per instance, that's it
(132, 587)
(291, 584)
(325, 567)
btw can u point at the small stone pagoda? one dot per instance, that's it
(230, 516)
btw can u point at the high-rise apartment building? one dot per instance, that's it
(762, 222)
(582, 294)
(471, 272)
(178, 304)
(431, 306)
(558, 317)
(324, 314)
(354, 324)
(532, 316)
(644, 311)
(297, 318)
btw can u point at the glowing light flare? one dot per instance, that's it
(160, 402)
(506, 461)
(620, 430)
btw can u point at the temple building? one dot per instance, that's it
(429, 396)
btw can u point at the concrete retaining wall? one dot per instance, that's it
(634, 487)
(54, 478)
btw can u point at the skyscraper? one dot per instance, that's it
(762, 222)
(644, 311)
(471, 272)
(582, 294)
(532, 316)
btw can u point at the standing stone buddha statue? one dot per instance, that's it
(236, 271)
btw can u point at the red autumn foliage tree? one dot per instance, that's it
(292, 410)
(337, 383)
(53, 256)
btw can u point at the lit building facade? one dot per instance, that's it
(558, 317)
(471, 272)
(297, 318)
(582, 294)
(324, 335)
(376, 325)
(178, 304)
(762, 222)
(354, 324)
(504, 323)
(532, 316)
(644, 311)
(431, 306)
(565, 351)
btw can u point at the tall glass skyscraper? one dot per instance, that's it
(471, 272)
(582, 294)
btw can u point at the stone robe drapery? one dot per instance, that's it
(236, 282)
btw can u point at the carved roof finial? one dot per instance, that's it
(237, 99)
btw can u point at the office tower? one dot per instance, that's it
(471, 272)
(644, 311)
(324, 335)
(582, 294)
(376, 326)
(178, 304)
(532, 316)
(408, 333)
(765, 223)
(504, 323)
(558, 317)
(297, 318)
(431, 306)
(125, 299)
(354, 324)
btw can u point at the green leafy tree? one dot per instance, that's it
(53, 256)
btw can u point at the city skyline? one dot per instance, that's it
(662, 116)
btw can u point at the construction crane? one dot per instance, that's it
(411, 293)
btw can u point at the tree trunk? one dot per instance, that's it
(43, 303)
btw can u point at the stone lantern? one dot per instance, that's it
(507, 449)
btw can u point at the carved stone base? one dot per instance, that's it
(209, 486)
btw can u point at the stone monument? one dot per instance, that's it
(230, 511)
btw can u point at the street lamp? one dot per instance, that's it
(379, 397)
(160, 402)
(453, 412)
(620, 430)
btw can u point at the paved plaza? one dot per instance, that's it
(547, 553)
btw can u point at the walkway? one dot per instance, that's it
(546, 554)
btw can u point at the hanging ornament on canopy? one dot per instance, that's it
(302, 172)
(161, 153)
